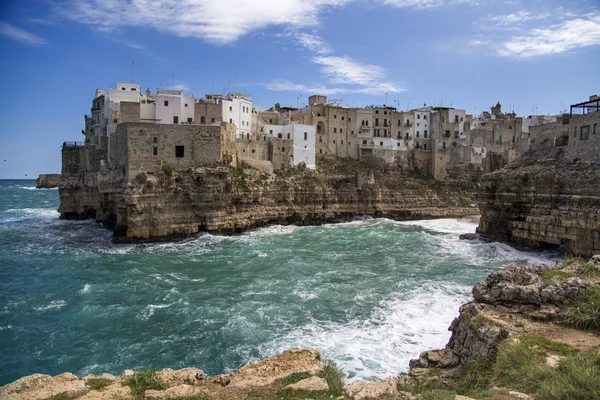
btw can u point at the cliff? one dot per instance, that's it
(47, 181)
(549, 196)
(172, 204)
(515, 340)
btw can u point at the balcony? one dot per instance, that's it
(409, 125)
(73, 144)
(364, 129)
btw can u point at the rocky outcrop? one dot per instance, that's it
(229, 200)
(477, 331)
(47, 181)
(547, 197)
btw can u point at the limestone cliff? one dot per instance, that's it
(549, 196)
(47, 181)
(172, 204)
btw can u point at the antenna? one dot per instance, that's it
(173, 81)
(132, 64)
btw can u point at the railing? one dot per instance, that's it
(73, 144)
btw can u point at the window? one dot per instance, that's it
(456, 118)
(352, 132)
(133, 89)
(190, 120)
(399, 144)
(376, 111)
(406, 135)
(212, 120)
(510, 127)
(320, 151)
(166, 103)
(305, 135)
(425, 146)
(230, 108)
(270, 120)
(341, 142)
(341, 130)
(385, 112)
(334, 141)
(367, 123)
(425, 134)
(114, 121)
(123, 88)
(155, 139)
(320, 139)
(288, 135)
(271, 131)
(283, 149)
(418, 116)
(186, 104)
(334, 116)
(500, 139)
(417, 133)
(253, 150)
(585, 132)
(381, 143)
(385, 122)
(318, 128)
(364, 142)
(342, 117)
(349, 119)
(424, 116)
(444, 145)
(155, 151)
(362, 122)
(376, 121)
(179, 151)
(175, 119)
(417, 145)
(279, 135)
(399, 135)
(334, 130)
(230, 120)
(385, 133)
(202, 120)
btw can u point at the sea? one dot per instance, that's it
(370, 294)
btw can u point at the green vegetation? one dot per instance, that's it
(334, 376)
(293, 378)
(481, 320)
(97, 384)
(144, 380)
(141, 178)
(166, 168)
(521, 366)
(557, 274)
(583, 311)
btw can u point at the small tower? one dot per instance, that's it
(497, 110)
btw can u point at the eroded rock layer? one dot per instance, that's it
(167, 205)
(549, 196)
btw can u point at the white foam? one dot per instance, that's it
(34, 188)
(56, 304)
(5, 327)
(149, 310)
(86, 288)
(382, 345)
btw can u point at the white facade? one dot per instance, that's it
(172, 107)
(237, 109)
(304, 138)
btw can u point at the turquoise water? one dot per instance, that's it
(371, 294)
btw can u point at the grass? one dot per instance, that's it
(421, 386)
(481, 320)
(476, 375)
(577, 378)
(144, 380)
(547, 345)
(552, 274)
(166, 168)
(583, 311)
(293, 378)
(97, 384)
(334, 376)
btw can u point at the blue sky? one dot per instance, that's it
(528, 54)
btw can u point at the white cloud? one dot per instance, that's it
(312, 43)
(285, 85)
(580, 32)
(516, 18)
(217, 21)
(425, 4)
(20, 35)
(182, 86)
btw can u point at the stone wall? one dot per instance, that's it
(281, 153)
(73, 159)
(257, 150)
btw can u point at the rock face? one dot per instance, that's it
(47, 181)
(228, 200)
(476, 333)
(549, 196)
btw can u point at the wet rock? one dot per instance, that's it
(312, 384)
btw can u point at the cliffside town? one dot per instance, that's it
(162, 166)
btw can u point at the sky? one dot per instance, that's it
(534, 56)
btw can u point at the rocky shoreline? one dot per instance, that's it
(512, 307)
(175, 204)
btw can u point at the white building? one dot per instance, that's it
(172, 107)
(237, 109)
(303, 137)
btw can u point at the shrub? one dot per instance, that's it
(294, 378)
(334, 376)
(166, 168)
(583, 311)
(144, 380)
(97, 384)
(141, 178)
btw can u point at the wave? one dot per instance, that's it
(86, 288)
(57, 304)
(34, 188)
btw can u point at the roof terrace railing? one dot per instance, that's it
(73, 144)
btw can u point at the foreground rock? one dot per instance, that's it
(47, 181)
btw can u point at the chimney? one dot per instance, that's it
(148, 94)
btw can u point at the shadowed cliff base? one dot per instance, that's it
(174, 204)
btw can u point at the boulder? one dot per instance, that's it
(375, 389)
